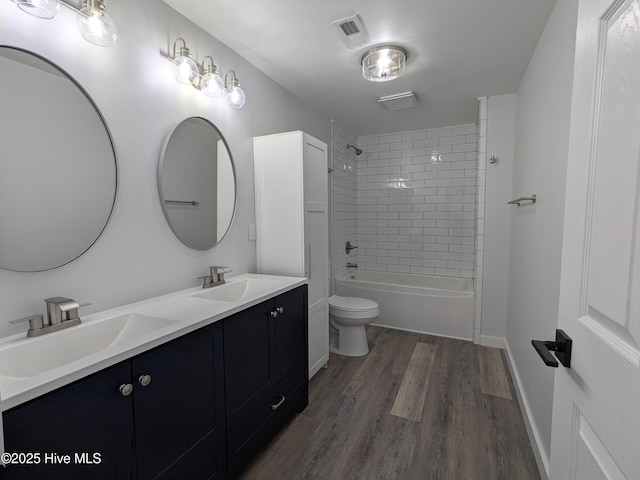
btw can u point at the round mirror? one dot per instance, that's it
(197, 183)
(58, 173)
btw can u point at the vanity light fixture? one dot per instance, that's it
(206, 76)
(95, 25)
(383, 63)
(93, 22)
(211, 82)
(233, 93)
(46, 9)
(185, 68)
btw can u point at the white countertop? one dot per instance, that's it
(186, 311)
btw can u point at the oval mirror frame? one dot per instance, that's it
(51, 212)
(196, 174)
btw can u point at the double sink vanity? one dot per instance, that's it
(187, 385)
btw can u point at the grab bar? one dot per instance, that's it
(517, 201)
(182, 202)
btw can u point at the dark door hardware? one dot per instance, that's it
(561, 347)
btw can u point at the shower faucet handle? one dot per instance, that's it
(349, 247)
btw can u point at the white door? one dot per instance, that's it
(596, 407)
(317, 251)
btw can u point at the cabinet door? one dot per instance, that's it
(90, 421)
(290, 333)
(247, 363)
(180, 413)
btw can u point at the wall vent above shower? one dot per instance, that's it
(351, 31)
(398, 101)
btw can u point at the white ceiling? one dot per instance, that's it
(458, 50)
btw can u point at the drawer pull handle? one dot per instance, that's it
(274, 406)
(144, 380)
(280, 309)
(274, 313)
(126, 389)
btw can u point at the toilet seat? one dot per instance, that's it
(353, 307)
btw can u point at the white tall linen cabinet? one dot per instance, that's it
(292, 236)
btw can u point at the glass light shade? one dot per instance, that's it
(185, 69)
(46, 9)
(212, 84)
(95, 25)
(382, 64)
(235, 96)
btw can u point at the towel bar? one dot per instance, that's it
(517, 201)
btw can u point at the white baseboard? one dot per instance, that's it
(495, 342)
(534, 436)
(313, 369)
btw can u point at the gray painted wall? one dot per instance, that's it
(500, 134)
(138, 256)
(540, 163)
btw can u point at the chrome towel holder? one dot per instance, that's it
(518, 201)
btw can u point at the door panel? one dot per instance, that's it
(615, 162)
(596, 426)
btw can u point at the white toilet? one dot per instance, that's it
(347, 318)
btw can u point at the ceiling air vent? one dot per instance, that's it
(398, 101)
(351, 31)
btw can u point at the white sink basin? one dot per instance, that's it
(31, 356)
(238, 290)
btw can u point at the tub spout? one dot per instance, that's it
(352, 265)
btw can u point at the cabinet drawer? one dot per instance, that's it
(211, 464)
(244, 444)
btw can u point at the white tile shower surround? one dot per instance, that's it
(414, 215)
(343, 199)
(482, 169)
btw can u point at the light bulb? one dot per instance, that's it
(46, 9)
(185, 69)
(235, 96)
(95, 25)
(211, 83)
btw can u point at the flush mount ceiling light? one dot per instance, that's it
(205, 76)
(383, 63)
(95, 25)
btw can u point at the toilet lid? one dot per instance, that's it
(351, 304)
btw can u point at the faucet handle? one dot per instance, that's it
(217, 274)
(220, 269)
(35, 321)
(207, 281)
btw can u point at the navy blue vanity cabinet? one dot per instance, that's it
(157, 416)
(86, 418)
(266, 384)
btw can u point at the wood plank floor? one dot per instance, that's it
(416, 407)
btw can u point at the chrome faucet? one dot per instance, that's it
(62, 313)
(216, 276)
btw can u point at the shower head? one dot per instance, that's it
(355, 149)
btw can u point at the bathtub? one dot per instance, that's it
(441, 306)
